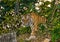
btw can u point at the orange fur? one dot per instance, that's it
(36, 20)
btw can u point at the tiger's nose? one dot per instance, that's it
(22, 25)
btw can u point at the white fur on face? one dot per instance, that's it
(27, 16)
(29, 22)
(23, 17)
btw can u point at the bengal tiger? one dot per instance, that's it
(32, 20)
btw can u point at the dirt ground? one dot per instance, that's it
(39, 38)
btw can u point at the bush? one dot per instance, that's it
(23, 30)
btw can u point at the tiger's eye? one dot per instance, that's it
(23, 20)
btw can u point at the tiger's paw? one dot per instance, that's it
(31, 38)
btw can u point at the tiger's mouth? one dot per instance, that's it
(23, 25)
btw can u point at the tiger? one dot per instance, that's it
(32, 19)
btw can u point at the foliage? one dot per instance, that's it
(55, 33)
(23, 30)
(53, 24)
(11, 21)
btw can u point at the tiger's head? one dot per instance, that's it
(25, 20)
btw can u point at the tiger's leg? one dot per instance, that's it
(32, 36)
(33, 33)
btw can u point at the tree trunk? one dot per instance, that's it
(17, 7)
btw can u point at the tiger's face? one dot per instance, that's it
(25, 20)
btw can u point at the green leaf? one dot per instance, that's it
(58, 6)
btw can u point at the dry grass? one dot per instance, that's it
(39, 38)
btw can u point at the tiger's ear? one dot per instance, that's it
(28, 16)
(21, 16)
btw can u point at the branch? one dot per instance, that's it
(54, 10)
